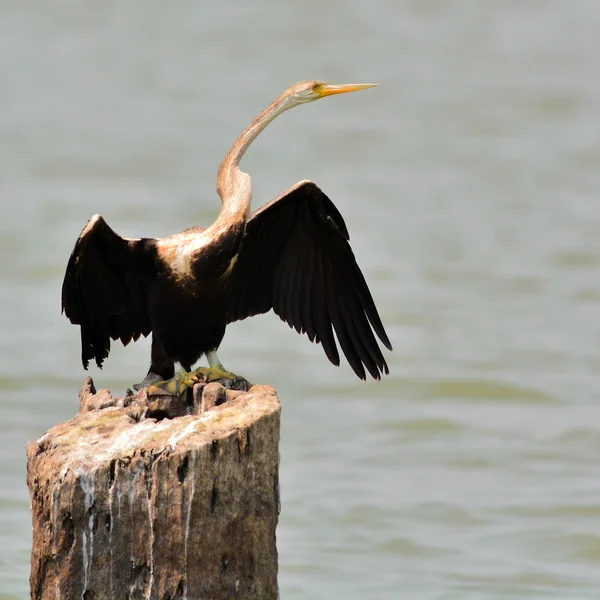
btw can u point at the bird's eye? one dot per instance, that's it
(315, 87)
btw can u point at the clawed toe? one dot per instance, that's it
(175, 386)
(227, 379)
(150, 379)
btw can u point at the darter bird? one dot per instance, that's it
(291, 255)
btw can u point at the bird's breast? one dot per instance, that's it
(217, 258)
(197, 254)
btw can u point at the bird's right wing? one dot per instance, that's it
(105, 286)
(296, 259)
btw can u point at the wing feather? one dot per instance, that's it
(296, 259)
(323, 320)
(306, 291)
(335, 309)
(370, 308)
(105, 286)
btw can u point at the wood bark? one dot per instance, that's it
(158, 499)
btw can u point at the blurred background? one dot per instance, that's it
(469, 181)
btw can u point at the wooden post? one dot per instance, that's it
(158, 500)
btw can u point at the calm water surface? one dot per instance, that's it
(469, 182)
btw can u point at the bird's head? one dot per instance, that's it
(308, 91)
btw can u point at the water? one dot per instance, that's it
(469, 183)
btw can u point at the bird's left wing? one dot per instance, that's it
(295, 258)
(104, 290)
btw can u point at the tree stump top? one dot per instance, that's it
(108, 428)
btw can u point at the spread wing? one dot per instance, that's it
(105, 286)
(295, 258)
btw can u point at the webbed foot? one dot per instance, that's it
(218, 373)
(147, 382)
(175, 386)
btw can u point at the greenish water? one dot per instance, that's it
(469, 183)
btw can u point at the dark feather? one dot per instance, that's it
(105, 288)
(296, 259)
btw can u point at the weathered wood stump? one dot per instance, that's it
(158, 499)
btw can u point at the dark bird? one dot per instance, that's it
(291, 255)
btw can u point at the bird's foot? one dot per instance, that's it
(147, 382)
(175, 386)
(218, 373)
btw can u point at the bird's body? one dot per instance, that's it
(197, 289)
(291, 255)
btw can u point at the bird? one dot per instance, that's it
(291, 255)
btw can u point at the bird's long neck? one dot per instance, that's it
(233, 185)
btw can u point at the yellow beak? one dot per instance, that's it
(328, 90)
